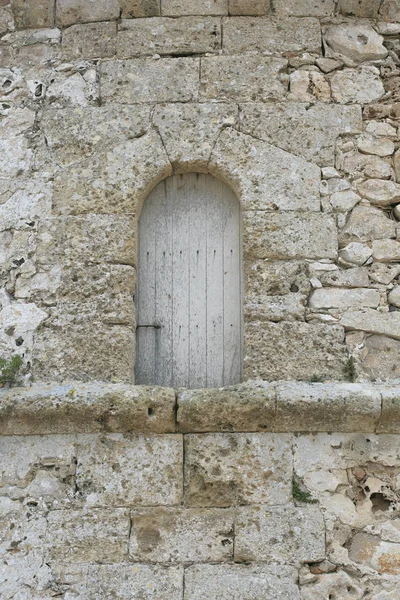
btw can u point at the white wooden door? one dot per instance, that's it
(189, 301)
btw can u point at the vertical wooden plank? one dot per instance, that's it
(146, 291)
(215, 289)
(232, 308)
(163, 216)
(176, 190)
(197, 186)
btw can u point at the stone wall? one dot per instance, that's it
(131, 492)
(295, 105)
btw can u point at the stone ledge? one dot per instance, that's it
(286, 406)
(79, 407)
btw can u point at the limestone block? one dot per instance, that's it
(235, 582)
(94, 239)
(258, 307)
(262, 533)
(249, 7)
(376, 168)
(38, 467)
(390, 10)
(247, 406)
(75, 133)
(243, 78)
(144, 581)
(380, 361)
(74, 11)
(386, 250)
(396, 162)
(327, 407)
(358, 87)
(104, 183)
(277, 278)
(22, 317)
(382, 111)
(294, 350)
(152, 467)
(355, 277)
(181, 535)
(84, 536)
(178, 8)
(359, 42)
(131, 9)
(390, 421)
(263, 176)
(333, 584)
(148, 80)
(29, 47)
(355, 253)
(304, 8)
(15, 152)
(307, 86)
(85, 351)
(92, 40)
(230, 469)
(371, 145)
(372, 321)
(266, 35)
(394, 296)
(337, 298)
(380, 192)
(33, 13)
(288, 236)
(382, 556)
(23, 200)
(344, 201)
(6, 19)
(189, 131)
(359, 8)
(162, 35)
(306, 130)
(367, 223)
(81, 408)
(382, 273)
(379, 129)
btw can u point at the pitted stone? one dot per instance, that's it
(74, 11)
(179, 8)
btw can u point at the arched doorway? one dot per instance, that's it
(189, 293)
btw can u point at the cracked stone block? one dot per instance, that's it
(148, 80)
(243, 78)
(178, 8)
(189, 131)
(235, 582)
(357, 87)
(92, 40)
(265, 35)
(294, 350)
(306, 130)
(264, 176)
(288, 535)
(360, 8)
(73, 134)
(145, 581)
(162, 35)
(181, 535)
(87, 536)
(365, 224)
(226, 469)
(103, 184)
(152, 468)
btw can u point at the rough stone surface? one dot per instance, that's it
(218, 469)
(333, 298)
(365, 224)
(33, 13)
(270, 36)
(243, 78)
(249, 7)
(362, 87)
(386, 250)
(299, 350)
(304, 8)
(91, 40)
(265, 177)
(302, 129)
(380, 192)
(140, 8)
(73, 11)
(187, 35)
(177, 8)
(359, 42)
(373, 322)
